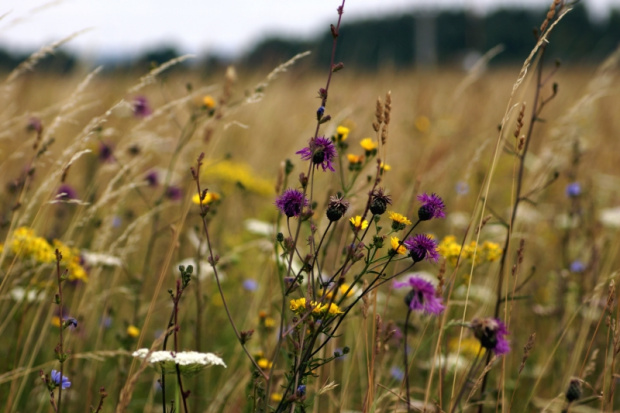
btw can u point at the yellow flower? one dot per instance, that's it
(342, 133)
(469, 346)
(385, 167)
(400, 249)
(239, 174)
(276, 397)
(264, 364)
(358, 224)
(396, 217)
(133, 331)
(208, 101)
(491, 251)
(344, 289)
(25, 243)
(209, 198)
(71, 259)
(368, 144)
(449, 249)
(355, 159)
(269, 322)
(56, 321)
(422, 124)
(334, 309)
(298, 305)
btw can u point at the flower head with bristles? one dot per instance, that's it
(321, 151)
(291, 202)
(432, 207)
(422, 296)
(422, 246)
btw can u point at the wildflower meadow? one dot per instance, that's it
(300, 241)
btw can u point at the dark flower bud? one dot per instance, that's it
(337, 67)
(574, 390)
(379, 201)
(320, 112)
(280, 237)
(325, 119)
(336, 208)
(245, 336)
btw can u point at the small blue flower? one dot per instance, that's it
(462, 188)
(397, 373)
(301, 390)
(250, 284)
(62, 382)
(577, 266)
(320, 112)
(573, 190)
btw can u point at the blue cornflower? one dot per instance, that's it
(573, 190)
(577, 266)
(61, 382)
(250, 284)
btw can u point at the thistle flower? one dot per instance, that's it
(174, 193)
(422, 246)
(152, 178)
(141, 108)
(291, 202)
(189, 362)
(379, 201)
(60, 380)
(491, 333)
(321, 151)
(336, 208)
(422, 296)
(66, 192)
(432, 207)
(105, 152)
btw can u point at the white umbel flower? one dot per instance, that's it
(190, 362)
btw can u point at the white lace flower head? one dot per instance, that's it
(190, 362)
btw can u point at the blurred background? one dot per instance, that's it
(388, 33)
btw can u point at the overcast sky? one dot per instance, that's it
(196, 26)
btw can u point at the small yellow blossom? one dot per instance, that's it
(396, 217)
(56, 321)
(355, 159)
(298, 305)
(209, 198)
(208, 101)
(71, 259)
(26, 243)
(385, 167)
(344, 289)
(397, 246)
(276, 397)
(269, 322)
(491, 251)
(342, 132)
(264, 364)
(469, 346)
(422, 124)
(368, 144)
(358, 224)
(334, 309)
(133, 331)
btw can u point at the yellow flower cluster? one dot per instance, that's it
(299, 306)
(26, 244)
(344, 289)
(487, 252)
(238, 173)
(71, 259)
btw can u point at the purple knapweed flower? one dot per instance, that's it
(573, 190)
(491, 332)
(152, 178)
(432, 207)
(105, 152)
(174, 193)
(35, 124)
(291, 202)
(141, 108)
(422, 246)
(321, 151)
(66, 192)
(61, 381)
(422, 296)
